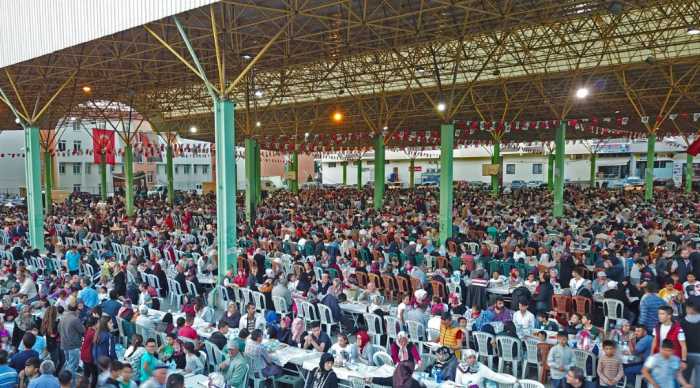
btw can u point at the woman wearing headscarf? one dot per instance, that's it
(402, 378)
(473, 373)
(365, 349)
(284, 332)
(403, 350)
(323, 376)
(297, 335)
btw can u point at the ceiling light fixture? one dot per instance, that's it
(693, 30)
(87, 89)
(582, 93)
(337, 117)
(441, 107)
(193, 129)
(258, 93)
(258, 124)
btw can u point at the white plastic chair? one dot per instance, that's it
(392, 328)
(581, 358)
(530, 384)
(613, 310)
(531, 355)
(482, 346)
(375, 328)
(327, 318)
(259, 300)
(175, 292)
(280, 305)
(506, 345)
(191, 288)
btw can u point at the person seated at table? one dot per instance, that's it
(234, 367)
(149, 360)
(370, 292)
(306, 278)
(343, 350)
(365, 350)
(187, 330)
(324, 284)
(193, 360)
(501, 312)
(497, 280)
(323, 376)
(600, 285)
(514, 279)
(284, 331)
(472, 373)
(402, 350)
(220, 336)
(402, 377)
(261, 364)
(446, 363)
(251, 320)
(587, 337)
(231, 316)
(574, 325)
(622, 332)
(281, 290)
(523, 319)
(204, 312)
(455, 305)
(531, 283)
(545, 322)
(317, 339)
(449, 336)
(578, 283)
(143, 320)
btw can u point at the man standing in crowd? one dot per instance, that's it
(668, 329)
(662, 370)
(71, 332)
(691, 326)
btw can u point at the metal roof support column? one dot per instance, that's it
(48, 180)
(225, 138)
(359, 174)
(294, 168)
(649, 173)
(558, 210)
(688, 173)
(258, 175)
(169, 173)
(32, 169)
(447, 138)
(594, 157)
(251, 193)
(103, 175)
(550, 171)
(129, 179)
(496, 159)
(411, 173)
(379, 171)
(345, 173)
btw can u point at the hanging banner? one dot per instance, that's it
(103, 139)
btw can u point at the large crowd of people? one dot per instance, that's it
(608, 294)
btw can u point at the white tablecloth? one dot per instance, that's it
(354, 308)
(194, 381)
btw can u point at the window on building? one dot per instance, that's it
(77, 145)
(76, 188)
(510, 169)
(186, 169)
(331, 165)
(88, 169)
(61, 168)
(537, 169)
(149, 177)
(62, 146)
(177, 169)
(205, 169)
(76, 125)
(76, 168)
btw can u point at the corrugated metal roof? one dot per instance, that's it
(32, 28)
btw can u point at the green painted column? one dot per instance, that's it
(688, 173)
(103, 176)
(559, 180)
(32, 173)
(594, 157)
(379, 171)
(649, 173)
(359, 174)
(225, 138)
(129, 181)
(496, 159)
(169, 173)
(294, 167)
(251, 193)
(345, 173)
(447, 134)
(411, 173)
(258, 174)
(550, 171)
(48, 181)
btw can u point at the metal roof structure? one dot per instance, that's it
(385, 65)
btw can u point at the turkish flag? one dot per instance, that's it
(103, 139)
(694, 148)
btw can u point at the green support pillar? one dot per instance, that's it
(379, 171)
(649, 173)
(129, 181)
(251, 193)
(32, 172)
(559, 180)
(103, 176)
(169, 173)
(411, 173)
(594, 157)
(550, 171)
(496, 159)
(294, 167)
(48, 181)
(359, 174)
(258, 174)
(225, 138)
(447, 133)
(688, 173)
(345, 173)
